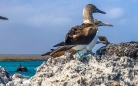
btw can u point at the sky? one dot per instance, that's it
(34, 26)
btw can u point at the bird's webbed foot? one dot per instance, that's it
(82, 55)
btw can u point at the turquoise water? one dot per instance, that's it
(30, 65)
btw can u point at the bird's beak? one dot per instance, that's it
(99, 11)
(105, 24)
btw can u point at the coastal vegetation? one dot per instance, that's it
(21, 57)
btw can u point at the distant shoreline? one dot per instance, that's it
(22, 57)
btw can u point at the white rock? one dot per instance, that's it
(4, 76)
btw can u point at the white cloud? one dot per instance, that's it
(115, 13)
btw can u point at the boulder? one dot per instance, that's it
(129, 49)
(19, 80)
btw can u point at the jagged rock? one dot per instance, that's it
(111, 71)
(19, 80)
(15, 76)
(129, 49)
(4, 76)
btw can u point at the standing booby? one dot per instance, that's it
(61, 50)
(83, 36)
(3, 18)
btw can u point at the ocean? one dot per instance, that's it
(30, 65)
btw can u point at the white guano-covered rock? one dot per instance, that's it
(86, 72)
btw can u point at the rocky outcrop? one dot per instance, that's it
(4, 76)
(110, 71)
(16, 76)
(129, 49)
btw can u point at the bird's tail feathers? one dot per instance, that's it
(59, 44)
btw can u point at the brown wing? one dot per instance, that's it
(61, 48)
(48, 53)
(82, 34)
(59, 51)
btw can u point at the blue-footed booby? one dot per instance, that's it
(3, 18)
(83, 36)
(62, 49)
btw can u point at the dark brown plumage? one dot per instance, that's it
(103, 39)
(48, 53)
(59, 51)
(77, 35)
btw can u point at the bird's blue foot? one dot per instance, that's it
(82, 55)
